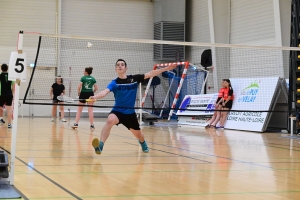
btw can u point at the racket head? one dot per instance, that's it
(65, 99)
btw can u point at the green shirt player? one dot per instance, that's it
(86, 88)
(87, 84)
(124, 88)
(6, 94)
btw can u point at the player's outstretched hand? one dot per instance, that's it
(172, 66)
(92, 98)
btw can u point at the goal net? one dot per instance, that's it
(169, 88)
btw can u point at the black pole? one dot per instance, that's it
(205, 81)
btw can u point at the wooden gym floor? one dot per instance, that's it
(56, 162)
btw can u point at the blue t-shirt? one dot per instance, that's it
(125, 92)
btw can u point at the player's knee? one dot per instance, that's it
(111, 121)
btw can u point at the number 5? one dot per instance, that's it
(19, 64)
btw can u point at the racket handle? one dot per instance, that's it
(90, 100)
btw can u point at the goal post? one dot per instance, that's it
(186, 64)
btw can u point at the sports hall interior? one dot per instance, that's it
(54, 161)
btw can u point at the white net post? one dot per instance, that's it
(15, 114)
(140, 98)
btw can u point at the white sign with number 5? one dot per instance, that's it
(17, 67)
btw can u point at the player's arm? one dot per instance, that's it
(229, 96)
(79, 88)
(101, 94)
(51, 92)
(222, 99)
(159, 71)
(63, 92)
(13, 87)
(95, 88)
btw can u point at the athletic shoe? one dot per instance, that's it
(92, 126)
(74, 126)
(52, 120)
(63, 120)
(220, 127)
(9, 126)
(2, 121)
(98, 146)
(213, 127)
(207, 126)
(144, 146)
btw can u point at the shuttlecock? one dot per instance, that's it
(89, 45)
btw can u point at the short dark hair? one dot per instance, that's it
(89, 70)
(122, 61)
(4, 67)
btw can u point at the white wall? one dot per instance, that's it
(98, 18)
(108, 18)
(252, 23)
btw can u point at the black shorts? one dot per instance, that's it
(85, 95)
(228, 104)
(55, 100)
(219, 98)
(7, 100)
(128, 120)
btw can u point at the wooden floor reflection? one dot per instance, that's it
(56, 162)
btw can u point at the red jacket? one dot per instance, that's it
(227, 94)
(221, 92)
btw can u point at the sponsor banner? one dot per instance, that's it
(200, 120)
(194, 105)
(251, 94)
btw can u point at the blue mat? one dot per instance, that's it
(8, 192)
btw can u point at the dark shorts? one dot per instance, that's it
(7, 100)
(85, 95)
(228, 104)
(219, 98)
(130, 121)
(55, 100)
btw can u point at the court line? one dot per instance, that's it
(174, 154)
(156, 128)
(147, 164)
(164, 171)
(46, 177)
(245, 162)
(178, 195)
(128, 164)
(251, 163)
